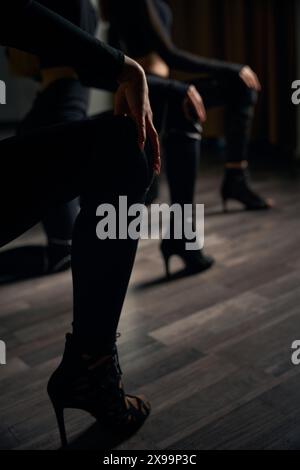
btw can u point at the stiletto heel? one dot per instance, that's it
(167, 266)
(59, 413)
(225, 207)
(93, 384)
(166, 256)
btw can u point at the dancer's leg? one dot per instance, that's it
(181, 146)
(99, 159)
(239, 102)
(64, 101)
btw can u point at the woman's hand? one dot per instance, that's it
(193, 105)
(132, 99)
(250, 78)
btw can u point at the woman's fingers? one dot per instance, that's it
(250, 78)
(202, 110)
(146, 130)
(153, 136)
(195, 103)
(120, 104)
(141, 126)
(257, 82)
(132, 97)
(254, 80)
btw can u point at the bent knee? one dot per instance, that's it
(116, 165)
(134, 164)
(248, 96)
(180, 125)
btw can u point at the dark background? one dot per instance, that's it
(260, 33)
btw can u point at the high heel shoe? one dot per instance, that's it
(195, 261)
(235, 186)
(94, 385)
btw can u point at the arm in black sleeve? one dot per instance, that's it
(28, 26)
(177, 59)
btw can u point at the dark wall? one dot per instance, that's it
(260, 33)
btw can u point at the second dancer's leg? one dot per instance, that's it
(65, 100)
(182, 145)
(239, 104)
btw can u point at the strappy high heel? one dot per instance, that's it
(94, 385)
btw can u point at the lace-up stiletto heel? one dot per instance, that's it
(195, 262)
(94, 385)
(236, 187)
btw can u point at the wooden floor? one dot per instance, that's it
(212, 352)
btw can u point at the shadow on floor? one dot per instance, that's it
(97, 438)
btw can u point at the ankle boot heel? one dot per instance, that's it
(225, 204)
(166, 257)
(167, 266)
(195, 262)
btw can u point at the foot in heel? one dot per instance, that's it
(236, 186)
(93, 384)
(195, 262)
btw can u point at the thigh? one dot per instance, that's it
(55, 165)
(65, 100)
(167, 105)
(33, 170)
(224, 90)
(159, 100)
(214, 91)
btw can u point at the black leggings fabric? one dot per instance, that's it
(63, 101)
(239, 102)
(96, 159)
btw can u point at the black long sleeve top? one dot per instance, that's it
(29, 26)
(144, 26)
(79, 12)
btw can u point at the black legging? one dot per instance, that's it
(99, 160)
(65, 100)
(182, 137)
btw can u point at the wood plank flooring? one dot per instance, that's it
(212, 352)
